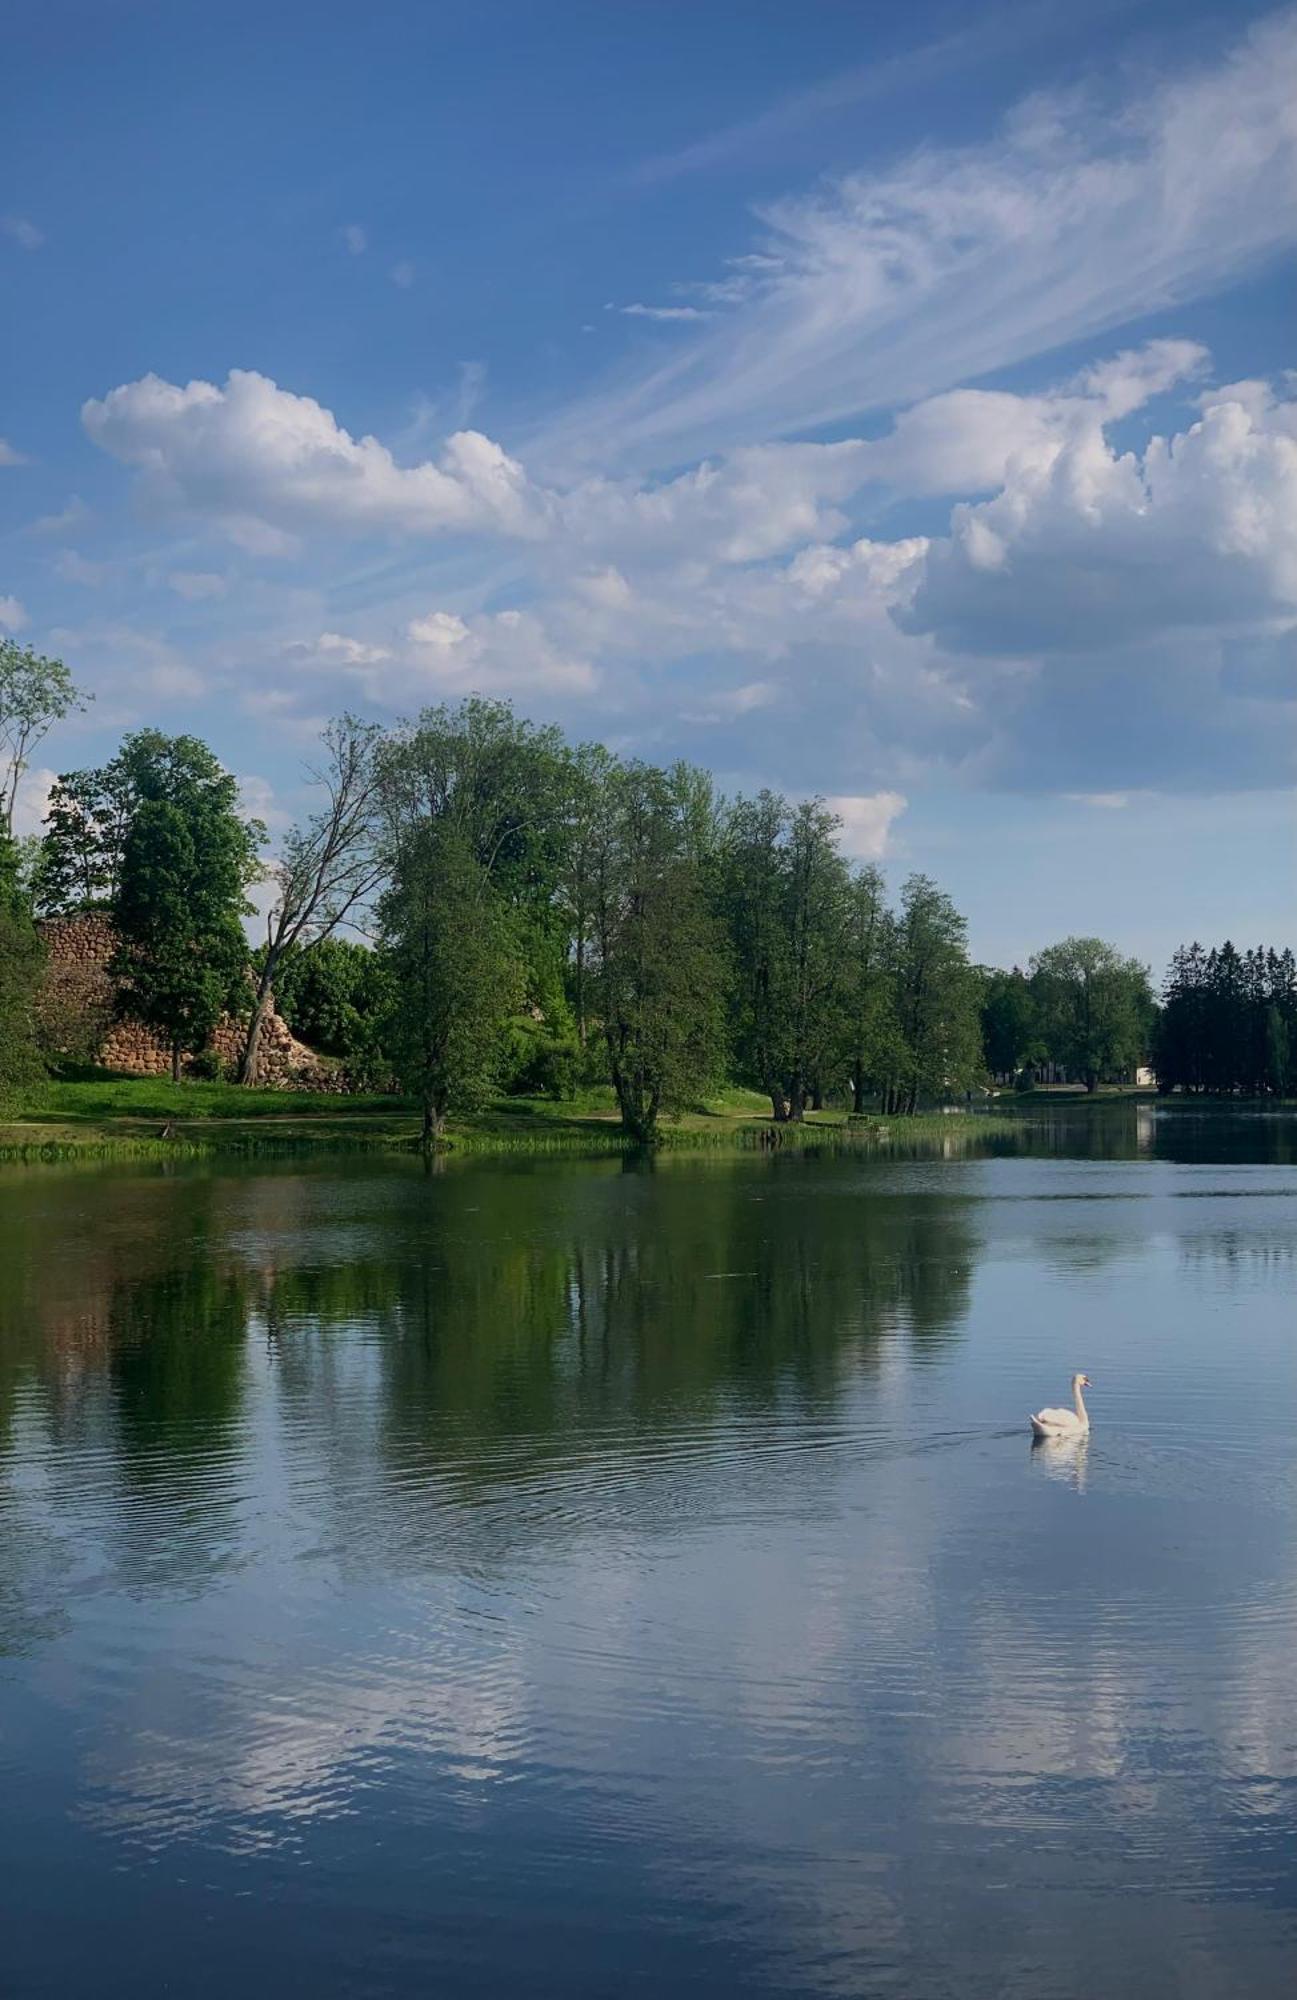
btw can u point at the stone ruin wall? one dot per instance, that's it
(78, 983)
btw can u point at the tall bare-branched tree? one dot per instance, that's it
(328, 868)
(35, 693)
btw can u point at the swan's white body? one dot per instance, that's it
(1065, 1423)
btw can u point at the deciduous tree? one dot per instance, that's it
(35, 693)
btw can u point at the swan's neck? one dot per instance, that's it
(1079, 1401)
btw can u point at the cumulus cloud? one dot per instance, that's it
(885, 287)
(1088, 545)
(355, 238)
(9, 454)
(441, 654)
(970, 440)
(254, 453)
(402, 274)
(866, 821)
(32, 800)
(1147, 601)
(13, 615)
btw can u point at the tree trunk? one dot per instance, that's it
(1091, 1082)
(817, 1097)
(175, 1062)
(797, 1101)
(778, 1103)
(250, 1058)
(434, 1122)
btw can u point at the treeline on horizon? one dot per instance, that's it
(539, 918)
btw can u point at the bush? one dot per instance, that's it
(538, 1060)
(207, 1067)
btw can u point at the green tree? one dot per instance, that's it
(818, 914)
(1009, 1032)
(659, 964)
(786, 894)
(754, 905)
(869, 997)
(938, 1043)
(1094, 1007)
(187, 862)
(79, 863)
(451, 956)
(336, 997)
(590, 771)
(35, 693)
(22, 959)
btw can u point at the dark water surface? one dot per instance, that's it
(557, 1579)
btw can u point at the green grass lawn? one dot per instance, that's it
(107, 1116)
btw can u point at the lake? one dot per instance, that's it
(577, 1578)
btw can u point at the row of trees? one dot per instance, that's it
(1228, 1022)
(1080, 1008)
(538, 916)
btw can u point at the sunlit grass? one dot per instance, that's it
(106, 1117)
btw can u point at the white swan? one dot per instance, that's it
(1065, 1423)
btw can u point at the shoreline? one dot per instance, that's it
(114, 1118)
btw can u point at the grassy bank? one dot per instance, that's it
(112, 1117)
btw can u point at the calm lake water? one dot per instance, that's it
(558, 1579)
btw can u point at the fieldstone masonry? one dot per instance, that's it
(79, 984)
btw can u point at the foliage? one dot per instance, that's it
(505, 788)
(186, 863)
(936, 1049)
(335, 997)
(658, 954)
(86, 822)
(35, 693)
(455, 971)
(870, 1033)
(1229, 1022)
(22, 959)
(1094, 1008)
(1010, 1028)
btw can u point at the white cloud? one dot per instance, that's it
(1092, 546)
(355, 238)
(22, 231)
(194, 585)
(402, 274)
(13, 615)
(886, 287)
(9, 454)
(1100, 801)
(335, 649)
(866, 821)
(970, 440)
(440, 653)
(268, 463)
(32, 800)
(659, 312)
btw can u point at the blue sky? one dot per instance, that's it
(889, 404)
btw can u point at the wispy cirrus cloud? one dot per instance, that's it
(887, 286)
(637, 311)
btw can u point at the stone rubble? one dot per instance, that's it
(79, 984)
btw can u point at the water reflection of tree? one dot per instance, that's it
(524, 1312)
